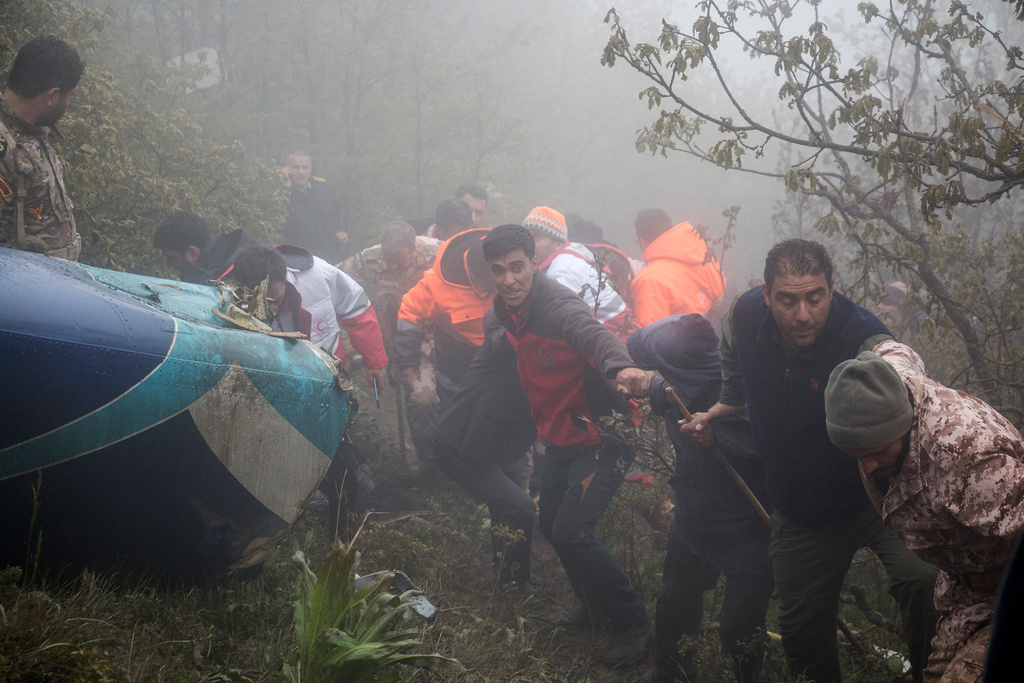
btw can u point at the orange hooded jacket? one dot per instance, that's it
(445, 295)
(446, 302)
(676, 279)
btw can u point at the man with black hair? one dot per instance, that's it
(453, 216)
(36, 213)
(471, 193)
(186, 243)
(679, 276)
(574, 371)
(779, 344)
(317, 299)
(314, 215)
(476, 197)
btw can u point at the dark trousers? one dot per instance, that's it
(421, 416)
(810, 564)
(681, 608)
(576, 486)
(510, 506)
(340, 479)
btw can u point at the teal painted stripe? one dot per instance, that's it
(281, 369)
(290, 375)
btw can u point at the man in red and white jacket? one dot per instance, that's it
(574, 371)
(318, 300)
(575, 266)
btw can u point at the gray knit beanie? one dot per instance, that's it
(866, 403)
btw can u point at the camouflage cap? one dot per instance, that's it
(866, 403)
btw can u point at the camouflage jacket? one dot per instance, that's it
(28, 163)
(368, 267)
(957, 500)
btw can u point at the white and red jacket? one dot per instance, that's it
(574, 266)
(321, 301)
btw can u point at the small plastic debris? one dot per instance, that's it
(400, 584)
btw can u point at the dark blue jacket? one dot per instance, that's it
(713, 517)
(314, 218)
(809, 480)
(488, 420)
(218, 256)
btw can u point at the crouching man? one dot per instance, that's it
(570, 366)
(319, 300)
(945, 470)
(715, 529)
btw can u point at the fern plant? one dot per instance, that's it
(345, 634)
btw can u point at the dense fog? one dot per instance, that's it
(399, 102)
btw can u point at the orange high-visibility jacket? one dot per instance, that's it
(676, 279)
(446, 302)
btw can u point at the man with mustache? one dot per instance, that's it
(945, 470)
(779, 344)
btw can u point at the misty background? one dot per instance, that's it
(399, 102)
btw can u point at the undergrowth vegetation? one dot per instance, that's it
(76, 625)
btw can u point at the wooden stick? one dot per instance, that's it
(721, 459)
(854, 640)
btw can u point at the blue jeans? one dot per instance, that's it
(576, 486)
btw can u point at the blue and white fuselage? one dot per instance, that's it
(137, 427)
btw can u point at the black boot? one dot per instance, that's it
(679, 669)
(671, 622)
(749, 666)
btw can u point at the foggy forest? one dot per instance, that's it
(889, 132)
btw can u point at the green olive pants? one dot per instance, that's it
(810, 565)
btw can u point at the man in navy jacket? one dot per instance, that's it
(779, 344)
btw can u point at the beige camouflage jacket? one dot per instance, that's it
(368, 267)
(29, 162)
(958, 499)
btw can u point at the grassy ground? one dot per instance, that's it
(81, 626)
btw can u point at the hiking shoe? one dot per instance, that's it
(524, 589)
(628, 645)
(685, 671)
(579, 617)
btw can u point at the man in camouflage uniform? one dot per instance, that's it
(393, 267)
(36, 213)
(947, 473)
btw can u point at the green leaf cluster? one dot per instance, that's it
(912, 144)
(132, 148)
(345, 634)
